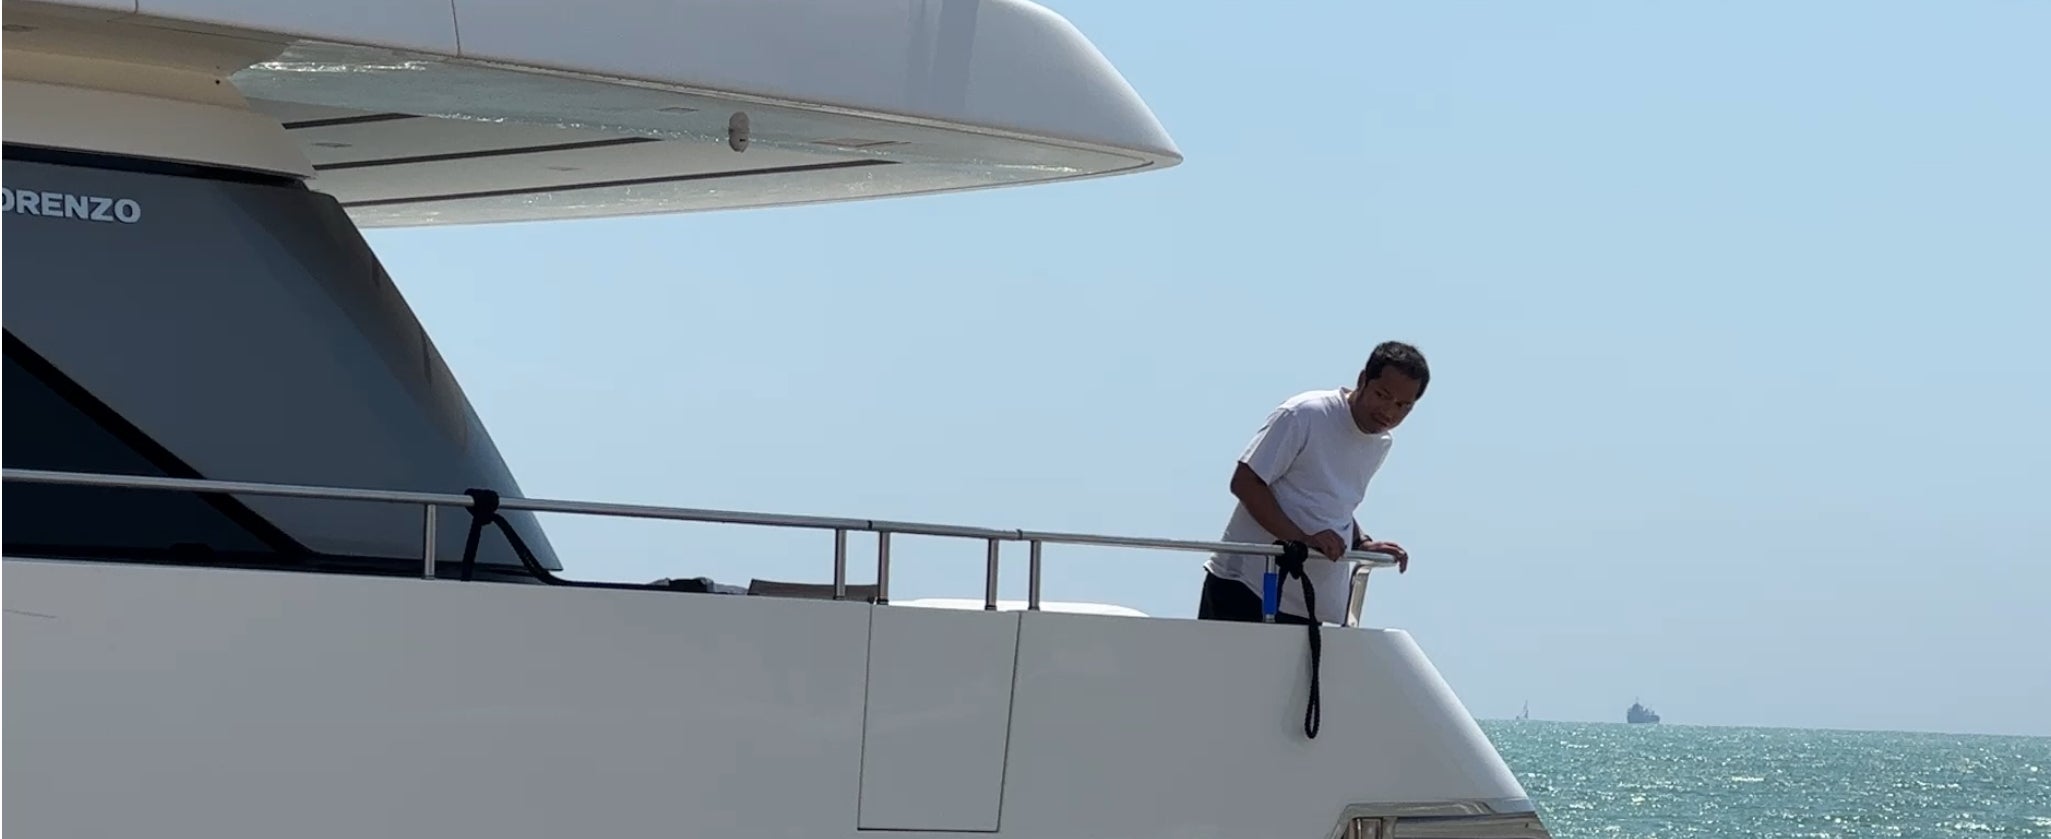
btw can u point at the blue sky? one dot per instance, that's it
(1737, 313)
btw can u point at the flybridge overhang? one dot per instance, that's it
(414, 112)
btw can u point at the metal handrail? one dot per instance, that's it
(884, 529)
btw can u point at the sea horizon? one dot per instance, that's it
(1616, 779)
(1766, 727)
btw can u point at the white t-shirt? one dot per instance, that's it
(1318, 463)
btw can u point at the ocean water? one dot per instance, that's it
(1598, 781)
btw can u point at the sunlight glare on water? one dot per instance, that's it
(1640, 782)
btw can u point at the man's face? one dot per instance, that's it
(1385, 400)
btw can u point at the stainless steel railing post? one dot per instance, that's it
(990, 579)
(1033, 578)
(840, 563)
(882, 567)
(1356, 599)
(427, 540)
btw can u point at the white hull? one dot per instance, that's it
(175, 703)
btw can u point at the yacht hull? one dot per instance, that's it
(185, 702)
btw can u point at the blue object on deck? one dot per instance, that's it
(1271, 593)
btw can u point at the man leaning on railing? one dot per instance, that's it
(1300, 480)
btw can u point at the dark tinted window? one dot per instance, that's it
(52, 424)
(173, 321)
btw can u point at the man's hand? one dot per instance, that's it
(1392, 549)
(1328, 543)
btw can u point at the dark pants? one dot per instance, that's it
(1230, 600)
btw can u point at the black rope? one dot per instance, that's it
(1290, 564)
(484, 510)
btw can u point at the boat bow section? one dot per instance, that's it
(1127, 727)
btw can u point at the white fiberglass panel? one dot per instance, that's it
(181, 703)
(91, 6)
(115, 122)
(1001, 64)
(386, 81)
(953, 94)
(428, 25)
(1004, 66)
(400, 175)
(560, 168)
(341, 140)
(938, 714)
(838, 182)
(967, 604)
(1206, 719)
(1007, 66)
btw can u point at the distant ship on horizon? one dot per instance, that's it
(1640, 715)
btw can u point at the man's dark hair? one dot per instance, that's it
(1405, 358)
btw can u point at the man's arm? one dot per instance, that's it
(1267, 458)
(1260, 502)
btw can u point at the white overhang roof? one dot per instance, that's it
(451, 111)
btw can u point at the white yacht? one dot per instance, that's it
(251, 594)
